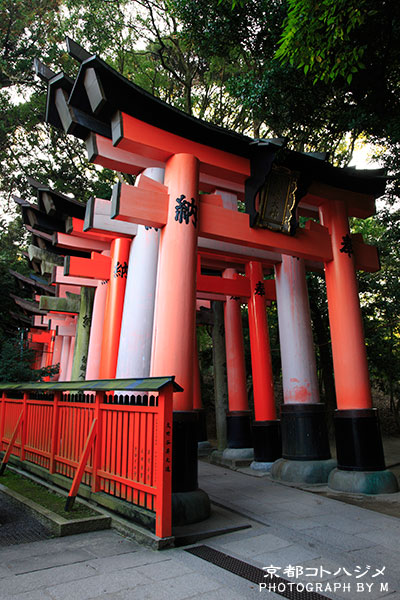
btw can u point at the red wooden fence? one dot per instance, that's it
(117, 440)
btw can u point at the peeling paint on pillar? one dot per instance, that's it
(137, 320)
(300, 384)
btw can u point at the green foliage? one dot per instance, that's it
(333, 23)
(25, 28)
(16, 360)
(12, 241)
(380, 293)
(313, 71)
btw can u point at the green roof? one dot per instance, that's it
(149, 384)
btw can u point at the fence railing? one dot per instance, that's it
(112, 435)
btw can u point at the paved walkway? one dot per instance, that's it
(328, 541)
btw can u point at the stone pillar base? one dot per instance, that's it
(232, 458)
(262, 467)
(204, 448)
(302, 471)
(238, 453)
(190, 507)
(363, 482)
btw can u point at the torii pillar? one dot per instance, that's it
(266, 427)
(137, 320)
(360, 458)
(96, 330)
(119, 254)
(58, 344)
(238, 419)
(83, 334)
(174, 327)
(305, 444)
(64, 359)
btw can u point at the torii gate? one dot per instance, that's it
(129, 130)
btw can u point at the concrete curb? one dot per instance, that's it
(59, 526)
(124, 526)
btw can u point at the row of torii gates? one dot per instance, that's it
(176, 239)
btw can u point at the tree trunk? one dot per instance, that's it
(220, 379)
(321, 332)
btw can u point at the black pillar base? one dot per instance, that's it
(358, 440)
(189, 504)
(238, 426)
(304, 432)
(201, 425)
(267, 441)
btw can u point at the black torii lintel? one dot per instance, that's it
(99, 93)
(54, 203)
(33, 216)
(30, 282)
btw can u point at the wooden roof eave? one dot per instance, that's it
(149, 384)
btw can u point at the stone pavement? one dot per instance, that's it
(328, 541)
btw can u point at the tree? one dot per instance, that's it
(12, 240)
(16, 363)
(324, 74)
(280, 99)
(380, 293)
(319, 37)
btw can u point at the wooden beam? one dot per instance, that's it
(123, 198)
(44, 337)
(227, 287)
(100, 151)
(70, 304)
(65, 240)
(96, 267)
(76, 227)
(358, 205)
(235, 253)
(215, 222)
(366, 257)
(59, 278)
(136, 136)
(98, 220)
(312, 242)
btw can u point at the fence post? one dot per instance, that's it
(164, 463)
(11, 444)
(55, 432)
(81, 466)
(24, 425)
(2, 418)
(98, 442)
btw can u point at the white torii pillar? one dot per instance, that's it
(137, 319)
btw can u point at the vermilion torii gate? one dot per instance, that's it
(128, 130)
